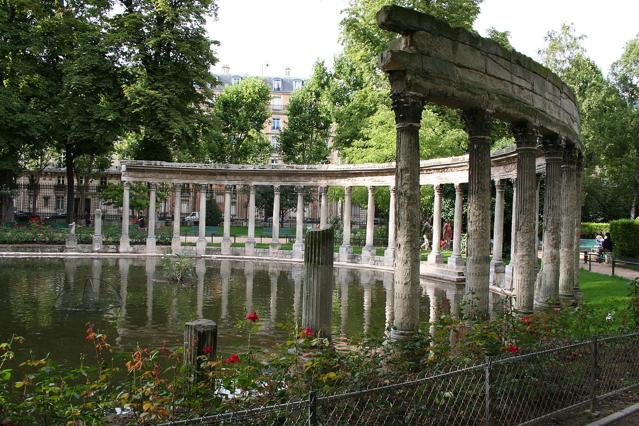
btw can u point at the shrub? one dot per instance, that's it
(625, 237)
(213, 214)
(591, 229)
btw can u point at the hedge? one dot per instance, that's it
(625, 237)
(591, 229)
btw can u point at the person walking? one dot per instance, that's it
(607, 247)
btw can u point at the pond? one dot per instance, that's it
(49, 301)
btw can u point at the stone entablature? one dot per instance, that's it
(454, 67)
(432, 172)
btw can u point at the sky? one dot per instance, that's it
(264, 37)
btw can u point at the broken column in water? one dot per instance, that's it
(318, 282)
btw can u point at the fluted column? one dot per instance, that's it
(200, 272)
(578, 169)
(455, 260)
(345, 248)
(478, 125)
(568, 210)
(508, 278)
(249, 245)
(435, 256)
(200, 245)
(275, 230)
(547, 291)
(150, 235)
(408, 112)
(176, 244)
(125, 246)
(323, 207)
(226, 238)
(389, 254)
(368, 251)
(298, 247)
(525, 254)
(537, 218)
(497, 264)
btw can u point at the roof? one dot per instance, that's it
(287, 82)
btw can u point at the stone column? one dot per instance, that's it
(455, 260)
(537, 219)
(388, 287)
(125, 247)
(200, 272)
(97, 230)
(249, 245)
(344, 277)
(547, 291)
(368, 251)
(345, 248)
(275, 230)
(150, 233)
(408, 112)
(568, 210)
(298, 247)
(226, 239)
(149, 268)
(323, 207)
(578, 169)
(176, 244)
(200, 245)
(297, 273)
(508, 278)
(389, 254)
(225, 277)
(249, 274)
(368, 302)
(435, 257)
(497, 264)
(523, 281)
(478, 125)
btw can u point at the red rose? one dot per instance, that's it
(513, 349)
(207, 349)
(232, 359)
(252, 316)
(307, 332)
(526, 320)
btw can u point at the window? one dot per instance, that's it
(236, 80)
(103, 180)
(297, 84)
(277, 85)
(45, 201)
(276, 103)
(60, 180)
(59, 202)
(275, 123)
(275, 142)
(81, 180)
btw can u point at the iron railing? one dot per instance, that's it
(515, 390)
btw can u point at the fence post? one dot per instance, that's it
(487, 368)
(589, 263)
(594, 376)
(612, 260)
(312, 409)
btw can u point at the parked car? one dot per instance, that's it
(193, 219)
(26, 217)
(57, 219)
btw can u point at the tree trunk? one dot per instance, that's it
(36, 191)
(70, 185)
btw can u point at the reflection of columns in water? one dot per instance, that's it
(454, 296)
(388, 287)
(225, 275)
(432, 305)
(344, 281)
(368, 300)
(297, 273)
(96, 272)
(200, 271)
(150, 275)
(123, 266)
(273, 274)
(66, 299)
(249, 273)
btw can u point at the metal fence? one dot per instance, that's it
(523, 390)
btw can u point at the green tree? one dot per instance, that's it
(305, 139)
(239, 115)
(166, 56)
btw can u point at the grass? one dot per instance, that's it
(604, 290)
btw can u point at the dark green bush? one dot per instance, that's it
(213, 214)
(625, 237)
(591, 229)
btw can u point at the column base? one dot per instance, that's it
(389, 257)
(345, 252)
(249, 247)
(176, 245)
(97, 242)
(71, 243)
(368, 255)
(435, 258)
(274, 250)
(497, 272)
(508, 276)
(150, 245)
(226, 246)
(298, 251)
(125, 246)
(547, 304)
(200, 246)
(401, 335)
(456, 262)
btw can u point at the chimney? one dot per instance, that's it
(287, 71)
(226, 69)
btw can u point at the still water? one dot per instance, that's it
(49, 301)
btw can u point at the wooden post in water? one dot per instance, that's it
(200, 339)
(317, 303)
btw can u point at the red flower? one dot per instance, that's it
(513, 349)
(252, 316)
(307, 332)
(207, 349)
(232, 359)
(526, 320)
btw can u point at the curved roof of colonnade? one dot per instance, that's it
(432, 172)
(457, 68)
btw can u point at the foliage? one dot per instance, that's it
(44, 234)
(590, 229)
(178, 269)
(113, 193)
(239, 115)
(264, 197)
(625, 237)
(213, 214)
(501, 37)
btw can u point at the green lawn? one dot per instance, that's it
(600, 290)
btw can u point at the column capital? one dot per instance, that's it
(276, 189)
(478, 122)
(438, 188)
(348, 189)
(204, 187)
(552, 146)
(299, 189)
(569, 156)
(499, 185)
(393, 189)
(153, 186)
(251, 187)
(228, 188)
(526, 135)
(322, 189)
(408, 107)
(177, 187)
(459, 187)
(371, 189)
(126, 184)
